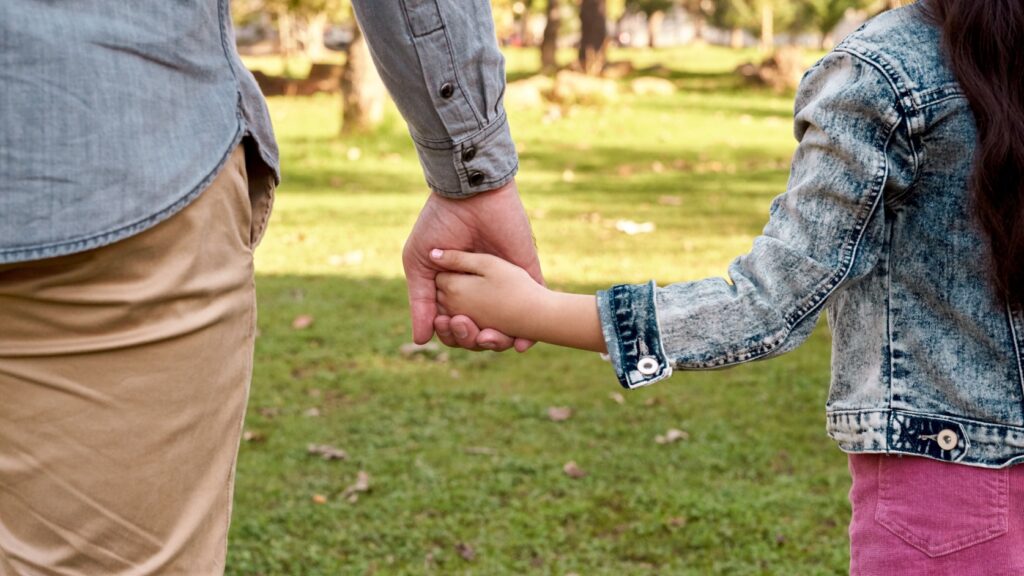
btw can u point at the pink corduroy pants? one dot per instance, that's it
(915, 516)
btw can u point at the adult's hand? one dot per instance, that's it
(491, 222)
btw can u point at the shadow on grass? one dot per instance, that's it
(462, 455)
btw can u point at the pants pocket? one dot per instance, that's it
(940, 508)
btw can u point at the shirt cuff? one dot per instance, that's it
(629, 322)
(483, 161)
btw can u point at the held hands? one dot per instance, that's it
(491, 222)
(493, 292)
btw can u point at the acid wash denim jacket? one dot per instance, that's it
(876, 227)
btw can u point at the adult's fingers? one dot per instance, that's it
(490, 339)
(422, 300)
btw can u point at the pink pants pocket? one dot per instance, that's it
(941, 508)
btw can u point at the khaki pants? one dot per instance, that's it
(124, 374)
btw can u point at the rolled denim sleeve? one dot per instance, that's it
(825, 232)
(440, 61)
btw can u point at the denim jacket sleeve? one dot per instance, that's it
(826, 231)
(440, 61)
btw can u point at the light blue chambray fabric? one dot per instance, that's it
(440, 61)
(114, 116)
(876, 227)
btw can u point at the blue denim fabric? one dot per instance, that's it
(441, 64)
(116, 115)
(876, 227)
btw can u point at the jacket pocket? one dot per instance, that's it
(940, 508)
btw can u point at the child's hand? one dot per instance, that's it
(493, 292)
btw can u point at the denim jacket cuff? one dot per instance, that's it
(483, 161)
(629, 322)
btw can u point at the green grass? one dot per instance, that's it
(462, 452)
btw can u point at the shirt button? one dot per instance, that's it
(468, 154)
(947, 439)
(648, 365)
(476, 178)
(447, 90)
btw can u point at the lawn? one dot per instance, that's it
(466, 467)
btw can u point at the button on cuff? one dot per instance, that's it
(629, 323)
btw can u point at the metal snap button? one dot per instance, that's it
(947, 439)
(476, 178)
(468, 154)
(447, 90)
(648, 365)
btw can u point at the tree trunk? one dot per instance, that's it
(362, 91)
(767, 27)
(653, 27)
(699, 24)
(549, 45)
(285, 40)
(736, 38)
(524, 24)
(314, 37)
(594, 35)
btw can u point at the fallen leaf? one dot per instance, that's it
(673, 435)
(670, 200)
(361, 485)
(657, 167)
(269, 412)
(326, 451)
(353, 258)
(430, 351)
(633, 228)
(466, 551)
(677, 521)
(625, 171)
(572, 470)
(253, 436)
(617, 398)
(313, 412)
(652, 401)
(302, 322)
(480, 451)
(559, 413)
(319, 499)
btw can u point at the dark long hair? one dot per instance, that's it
(984, 42)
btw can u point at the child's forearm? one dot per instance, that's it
(566, 320)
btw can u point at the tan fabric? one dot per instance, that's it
(124, 374)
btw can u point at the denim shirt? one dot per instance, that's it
(876, 227)
(115, 115)
(440, 61)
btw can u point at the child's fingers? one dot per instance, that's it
(459, 261)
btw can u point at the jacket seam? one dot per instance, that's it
(821, 294)
(1016, 348)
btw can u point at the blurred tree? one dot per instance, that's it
(549, 44)
(655, 12)
(593, 35)
(362, 92)
(824, 15)
(699, 10)
(761, 17)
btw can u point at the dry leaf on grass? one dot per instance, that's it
(617, 398)
(466, 551)
(429, 351)
(319, 499)
(312, 412)
(673, 435)
(480, 451)
(302, 322)
(572, 470)
(326, 451)
(632, 228)
(559, 413)
(362, 485)
(670, 200)
(253, 436)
